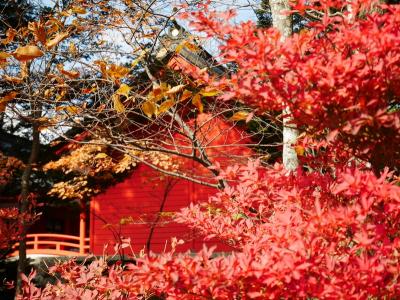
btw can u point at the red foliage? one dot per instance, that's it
(330, 231)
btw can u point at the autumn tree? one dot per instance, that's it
(331, 229)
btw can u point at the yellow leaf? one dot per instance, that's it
(4, 55)
(196, 101)
(192, 47)
(124, 90)
(179, 48)
(78, 10)
(70, 109)
(149, 108)
(209, 93)
(57, 39)
(27, 53)
(72, 49)
(118, 106)
(185, 95)
(175, 89)
(101, 155)
(239, 116)
(165, 106)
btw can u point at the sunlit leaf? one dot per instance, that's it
(185, 95)
(165, 106)
(123, 90)
(209, 93)
(300, 150)
(175, 89)
(239, 116)
(7, 98)
(27, 53)
(149, 108)
(4, 55)
(57, 39)
(196, 101)
(78, 10)
(101, 155)
(118, 106)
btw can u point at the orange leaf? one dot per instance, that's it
(165, 106)
(70, 74)
(57, 39)
(239, 116)
(78, 10)
(185, 95)
(4, 55)
(10, 35)
(196, 101)
(39, 31)
(149, 108)
(7, 98)
(27, 53)
(299, 150)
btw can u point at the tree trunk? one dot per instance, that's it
(24, 205)
(283, 23)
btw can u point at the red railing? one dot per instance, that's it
(54, 244)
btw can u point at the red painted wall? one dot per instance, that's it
(139, 197)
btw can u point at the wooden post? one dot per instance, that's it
(82, 227)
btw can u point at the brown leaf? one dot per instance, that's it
(10, 35)
(39, 31)
(27, 53)
(57, 39)
(7, 98)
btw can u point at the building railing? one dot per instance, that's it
(54, 244)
